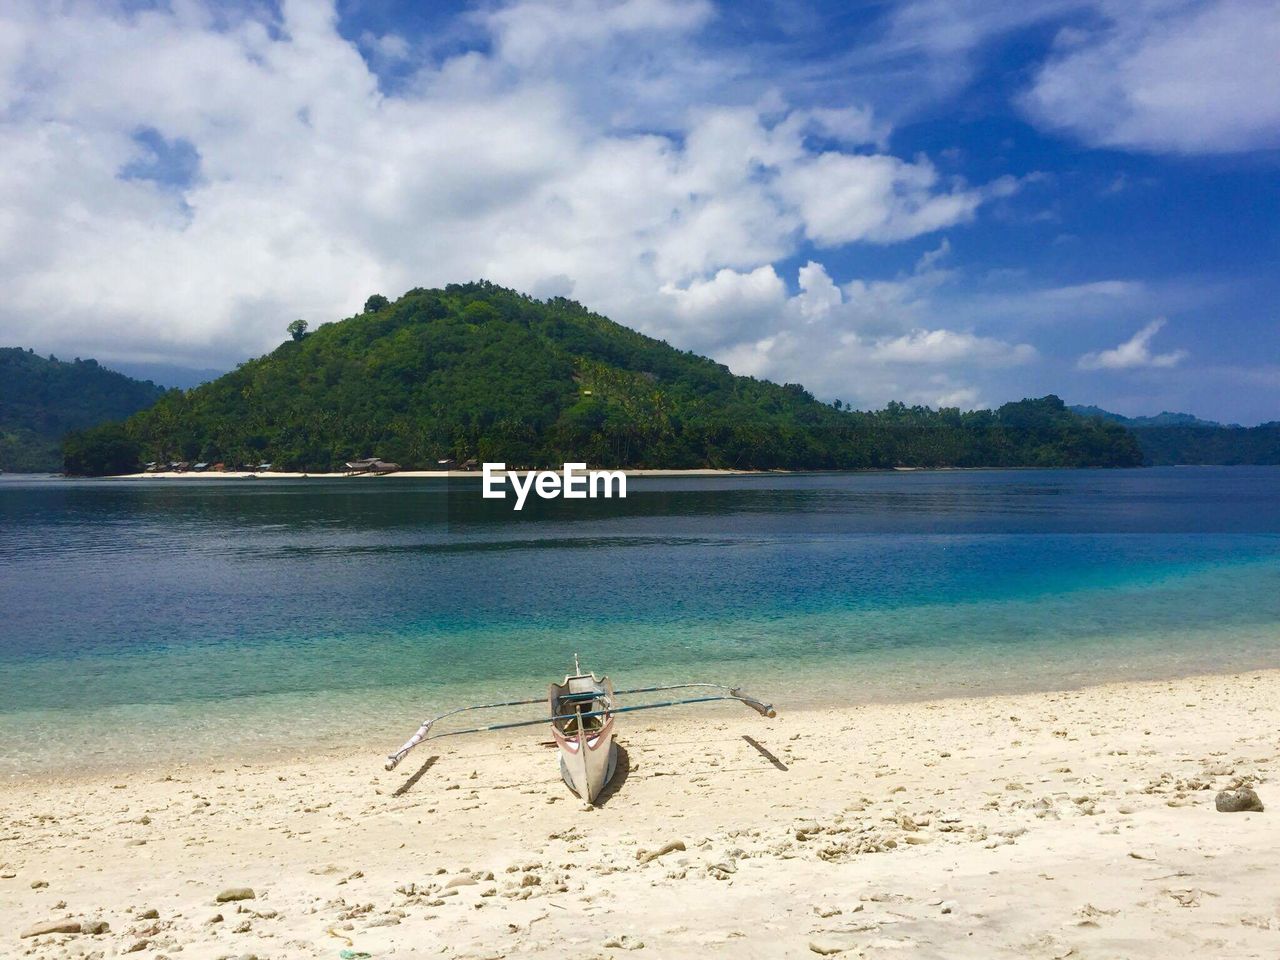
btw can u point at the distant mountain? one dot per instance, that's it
(1231, 446)
(41, 399)
(1165, 419)
(478, 371)
(169, 374)
(1171, 439)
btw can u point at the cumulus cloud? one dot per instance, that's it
(1188, 76)
(1133, 353)
(949, 346)
(1183, 76)
(866, 342)
(186, 204)
(730, 305)
(844, 197)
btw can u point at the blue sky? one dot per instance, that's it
(940, 202)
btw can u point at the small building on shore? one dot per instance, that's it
(370, 465)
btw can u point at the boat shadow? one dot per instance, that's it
(412, 781)
(765, 752)
(620, 774)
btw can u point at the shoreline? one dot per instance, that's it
(1076, 823)
(630, 472)
(412, 474)
(374, 746)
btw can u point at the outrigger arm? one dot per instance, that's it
(425, 729)
(735, 693)
(424, 732)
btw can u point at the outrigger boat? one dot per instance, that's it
(582, 710)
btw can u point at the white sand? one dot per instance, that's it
(417, 474)
(1077, 824)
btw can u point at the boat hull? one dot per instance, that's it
(588, 774)
(588, 754)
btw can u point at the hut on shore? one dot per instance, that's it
(370, 465)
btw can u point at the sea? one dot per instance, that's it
(157, 621)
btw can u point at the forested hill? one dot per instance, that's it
(1163, 419)
(43, 398)
(479, 371)
(1169, 439)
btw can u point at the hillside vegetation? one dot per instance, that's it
(1231, 446)
(479, 371)
(1180, 439)
(42, 398)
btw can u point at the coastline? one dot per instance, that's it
(1070, 823)
(412, 474)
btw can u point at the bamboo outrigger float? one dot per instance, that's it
(582, 710)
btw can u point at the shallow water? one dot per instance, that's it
(153, 619)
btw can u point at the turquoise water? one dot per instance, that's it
(155, 619)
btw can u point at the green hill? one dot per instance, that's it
(1163, 419)
(1197, 445)
(41, 399)
(1179, 439)
(479, 371)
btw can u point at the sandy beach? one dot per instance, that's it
(412, 474)
(1073, 824)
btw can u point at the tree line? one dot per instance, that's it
(479, 371)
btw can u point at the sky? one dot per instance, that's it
(935, 201)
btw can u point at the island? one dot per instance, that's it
(480, 372)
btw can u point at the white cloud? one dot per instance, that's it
(818, 293)
(949, 346)
(528, 164)
(868, 342)
(1170, 75)
(1094, 290)
(730, 305)
(966, 398)
(844, 198)
(853, 126)
(529, 31)
(1133, 353)
(1183, 76)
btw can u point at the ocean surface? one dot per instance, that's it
(152, 620)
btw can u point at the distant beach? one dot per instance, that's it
(407, 474)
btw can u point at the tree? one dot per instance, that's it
(99, 451)
(297, 329)
(375, 303)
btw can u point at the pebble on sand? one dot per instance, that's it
(624, 942)
(828, 944)
(1242, 800)
(237, 893)
(644, 856)
(51, 926)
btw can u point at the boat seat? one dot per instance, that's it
(586, 697)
